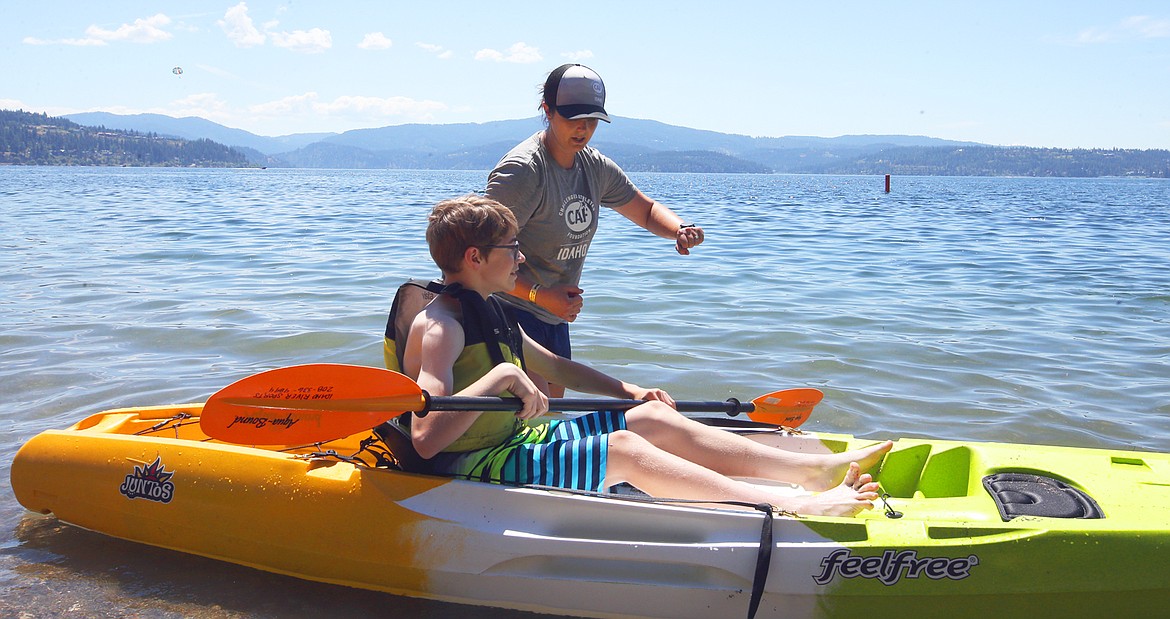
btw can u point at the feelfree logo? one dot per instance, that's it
(892, 566)
(150, 482)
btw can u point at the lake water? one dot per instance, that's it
(979, 309)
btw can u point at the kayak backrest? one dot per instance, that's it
(1026, 494)
(410, 299)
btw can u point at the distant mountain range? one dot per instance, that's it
(646, 146)
(639, 145)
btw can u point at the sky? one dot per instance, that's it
(1068, 74)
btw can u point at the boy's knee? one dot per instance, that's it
(626, 442)
(654, 412)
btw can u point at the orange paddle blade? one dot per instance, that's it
(308, 404)
(790, 407)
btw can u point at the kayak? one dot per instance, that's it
(963, 529)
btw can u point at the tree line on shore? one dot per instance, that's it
(37, 139)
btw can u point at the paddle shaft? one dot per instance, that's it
(732, 406)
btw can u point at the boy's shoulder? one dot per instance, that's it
(437, 333)
(444, 312)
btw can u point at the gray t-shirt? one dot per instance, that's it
(557, 210)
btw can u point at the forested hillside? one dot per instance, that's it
(38, 139)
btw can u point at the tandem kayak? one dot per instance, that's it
(965, 529)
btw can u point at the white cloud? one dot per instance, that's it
(375, 40)
(308, 41)
(578, 56)
(206, 105)
(356, 111)
(203, 105)
(216, 71)
(520, 53)
(439, 51)
(1092, 35)
(298, 113)
(361, 110)
(1147, 27)
(238, 26)
(288, 105)
(1136, 27)
(73, 42)
(143, 30)
(385, 107)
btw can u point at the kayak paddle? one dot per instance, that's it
(319, 402)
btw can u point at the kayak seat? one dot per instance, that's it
(1024, 494)
(396, 438)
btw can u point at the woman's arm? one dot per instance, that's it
(659, 220)
(582, 378)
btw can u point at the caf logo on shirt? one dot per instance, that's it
(578, 212)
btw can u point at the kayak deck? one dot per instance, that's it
(150, 475)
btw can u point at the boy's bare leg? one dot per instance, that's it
(632, 458)
(737, 456)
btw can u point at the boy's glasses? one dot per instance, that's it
(515, 247)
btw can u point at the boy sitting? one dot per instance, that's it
(652, 446)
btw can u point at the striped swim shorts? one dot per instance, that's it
(566, 453)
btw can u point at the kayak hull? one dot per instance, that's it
(149, 475)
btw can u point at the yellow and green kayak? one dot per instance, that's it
(967, 530)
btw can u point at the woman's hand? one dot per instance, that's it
(686, 237)
(562, 300)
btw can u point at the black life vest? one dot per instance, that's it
(492, 320)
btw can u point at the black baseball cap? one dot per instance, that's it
(576, 91)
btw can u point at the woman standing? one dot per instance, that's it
(555, 184)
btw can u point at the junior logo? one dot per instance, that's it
(892, 566)
(149, 482)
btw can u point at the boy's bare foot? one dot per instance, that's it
(855, 493)
(836, 466)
